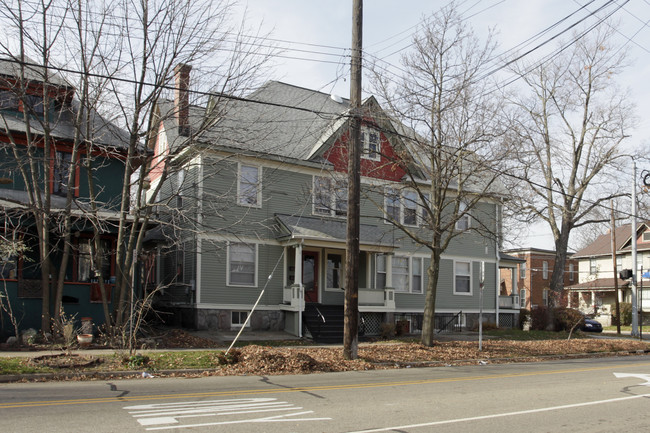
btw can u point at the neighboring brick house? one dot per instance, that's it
(534, 276)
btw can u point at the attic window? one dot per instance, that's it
(8, 100)
(646, 237)
(371, 144)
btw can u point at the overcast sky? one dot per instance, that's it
(316, 36)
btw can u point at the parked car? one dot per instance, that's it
(591, 325)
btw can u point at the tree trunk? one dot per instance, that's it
(557, 277)
(429, 323)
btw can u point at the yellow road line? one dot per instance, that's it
(84, 401)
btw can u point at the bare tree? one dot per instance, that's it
(121, 57)
(451, 158)
(570, 121)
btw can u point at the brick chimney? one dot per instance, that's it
(182, 97)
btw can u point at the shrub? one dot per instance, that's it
(387, 330)
(524, 316)
(626, 314)
(564, 319)
(540, 319)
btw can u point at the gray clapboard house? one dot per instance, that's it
(263, 182)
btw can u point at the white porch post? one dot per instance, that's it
(298, 265)
(389, 270)
(298, 280)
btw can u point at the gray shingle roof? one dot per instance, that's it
(273, 126)
(62, 126)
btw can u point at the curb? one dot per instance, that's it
(132, 374)
(126, 374)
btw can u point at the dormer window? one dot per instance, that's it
(8, 100)
(35, 104)
(371, 139)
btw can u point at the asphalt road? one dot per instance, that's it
(585, 395)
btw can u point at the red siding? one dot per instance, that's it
(382, 169)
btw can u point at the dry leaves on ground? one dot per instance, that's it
(260, 360)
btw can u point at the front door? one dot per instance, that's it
(310, 275)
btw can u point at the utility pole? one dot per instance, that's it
(618, 307)
(635, 269)
(351, 321)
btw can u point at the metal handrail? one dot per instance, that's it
(322, 318)
(450, 321)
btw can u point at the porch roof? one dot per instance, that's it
(19, 199)
(599, 284)
(331, 230)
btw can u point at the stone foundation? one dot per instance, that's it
(221, 320)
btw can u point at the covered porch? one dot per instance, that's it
(314, 267)
(598, 297)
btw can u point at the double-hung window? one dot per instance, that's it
(391, 204)
(593, 267)
(87, 262)
(545, 297)
(242, 264)
(416, 275)
(401, 207)
(380, 274)
(410, 208)
(571, 271)
(400, 273)
(371, 144)
(522, 271)
(8, 100)
(462, 278)
(330, 196)
(463, 219)
(545, 270)
(407, 273)
(249, 186)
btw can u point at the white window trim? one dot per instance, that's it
(365, 138)
(463, 207)
(522, 271)
(401, 211)
(571, 271)
(522, 298)
(422, 288)
(385, 272)
(593, 270)
(228, 283)
(471, 288)
(342, 254)
(332, 196)
(545, 293)
(258, 203)
(239, 325)
(408, 274)
(545, 270)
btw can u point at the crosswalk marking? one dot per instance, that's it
(161, 416)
